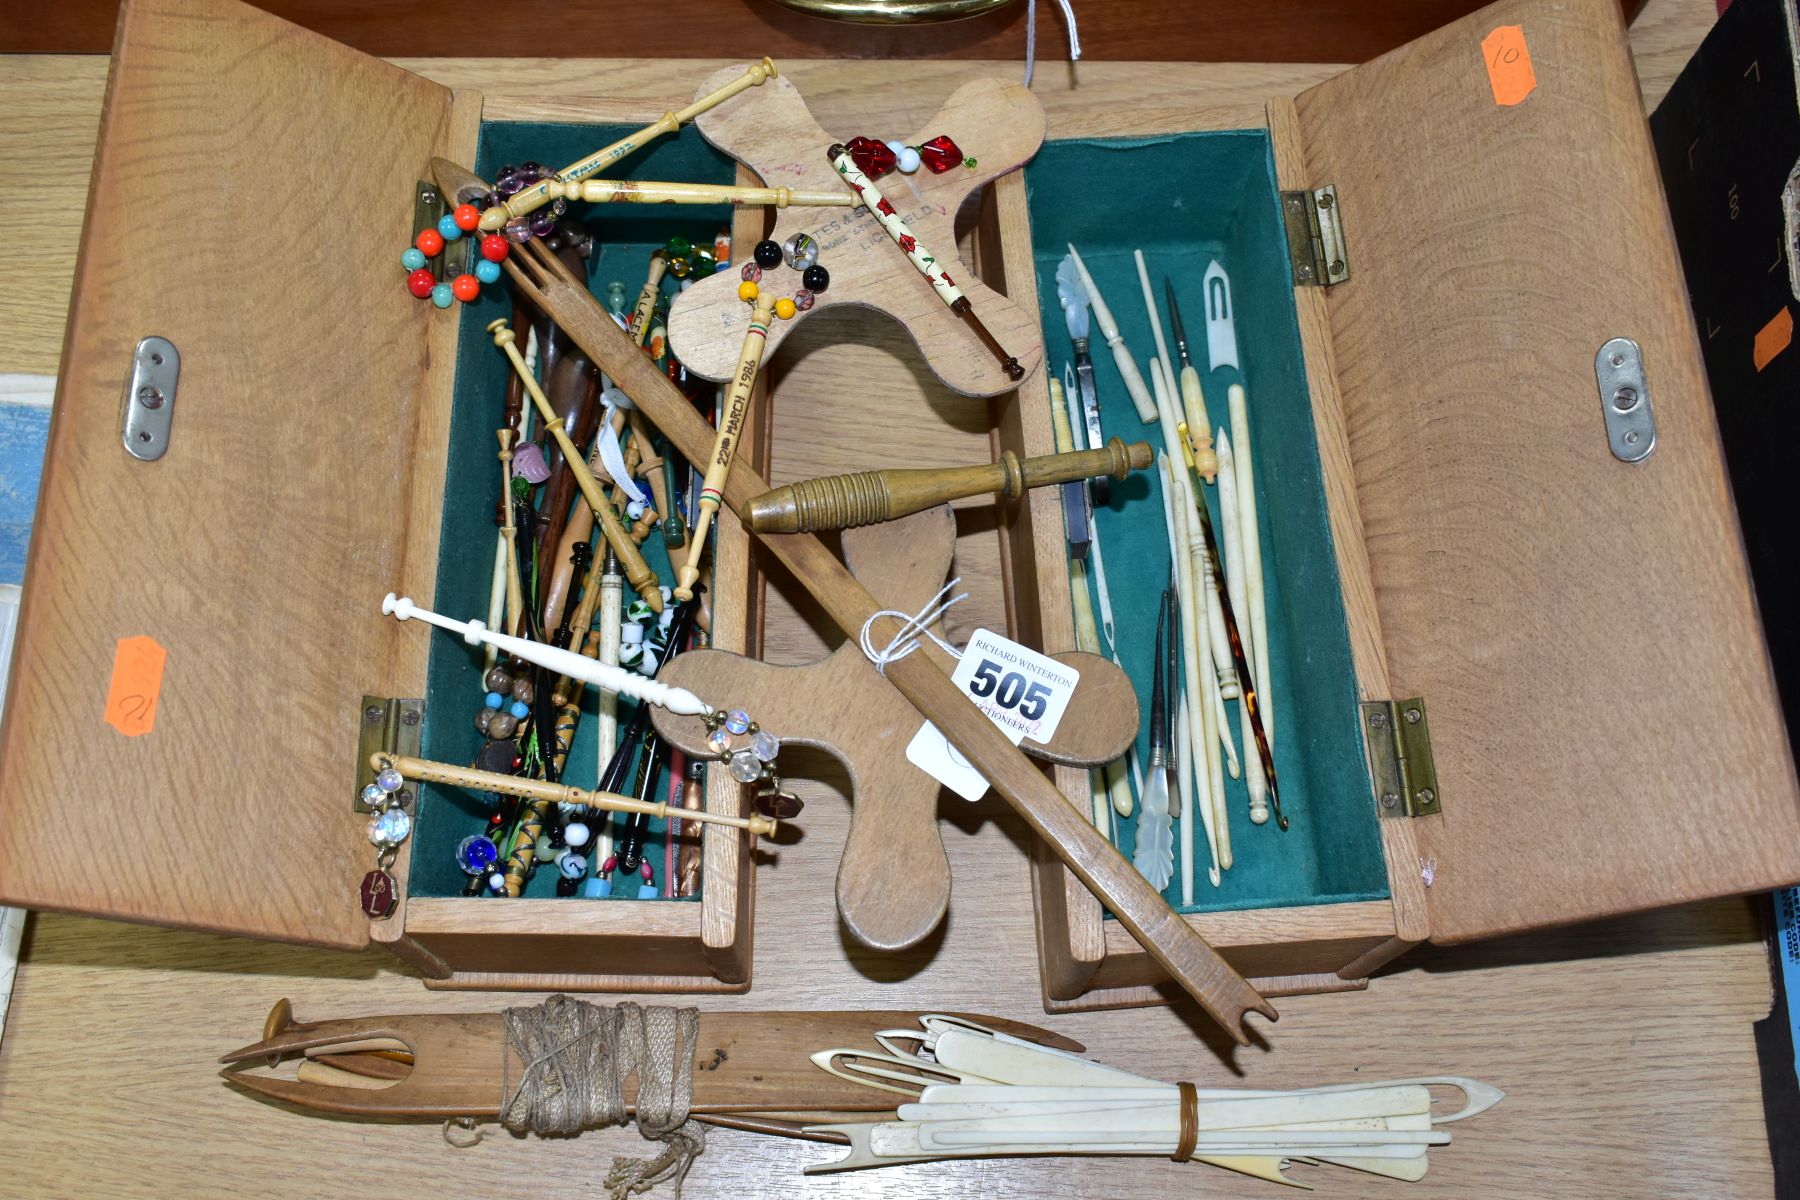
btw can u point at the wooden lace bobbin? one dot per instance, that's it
(893, 883)
(537, 195)
(637, 571)
(725, 438)
(639, 326)
(773, 134)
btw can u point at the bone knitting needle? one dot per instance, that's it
(870, 497)
(1193, 397)
(1156, 330)
(919, 256)
(637, 571)
(1109, 329)
(1193, 658)
(557, 793)
(1246, 677)
(725, 438)
(1078, 380)
(535, 196)
(1232, 530)
(553, 658)
(1114, 774)
(1253, 561)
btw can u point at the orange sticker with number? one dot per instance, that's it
(1508, 62)
(136, 684)
(1773, 338)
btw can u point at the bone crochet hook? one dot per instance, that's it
(563, 662)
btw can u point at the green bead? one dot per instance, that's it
(679, 247)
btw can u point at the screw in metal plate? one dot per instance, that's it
(1389, 800)
(1378, 720)
(372, 714)
(1625, 399)
(150, 396)
(1325, 200)
(1413, 716)
(410, 717)
(1426, 795)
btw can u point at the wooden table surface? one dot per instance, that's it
(1625, 1048)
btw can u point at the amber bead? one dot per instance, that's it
(747, 290)
(784, 308)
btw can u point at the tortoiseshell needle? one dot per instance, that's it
(1246, 677)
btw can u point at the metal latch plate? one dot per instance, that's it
(150, 398)
(1398, 737)
(1625, 399)
(386, 725)
(1315, 236)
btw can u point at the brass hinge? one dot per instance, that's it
(1315, 236)
(1399, 741)
(386, 725)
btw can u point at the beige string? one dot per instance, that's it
(575, 1059)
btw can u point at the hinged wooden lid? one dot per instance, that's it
(1605, 728)
(251, 196)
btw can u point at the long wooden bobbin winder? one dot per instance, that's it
(867, 497)
(1193, 964)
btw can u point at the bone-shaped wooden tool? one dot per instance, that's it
(769, 130)
(893, 883)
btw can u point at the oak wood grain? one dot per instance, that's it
(257, 528)
(1682, 1115)
(1583, 630)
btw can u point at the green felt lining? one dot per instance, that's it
(625, 235)
(1186, 200)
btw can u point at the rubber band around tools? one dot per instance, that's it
(573, 1059)
(912, 629)
(1190, 1123)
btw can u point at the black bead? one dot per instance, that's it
(816, 279)
(767, 254)
(566, 887)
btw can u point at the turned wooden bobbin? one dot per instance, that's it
(770, 130)
(893, 882)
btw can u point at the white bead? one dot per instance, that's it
(634, 510)
(631, 633)
(896, 146)
(576, 834)
(909, 160)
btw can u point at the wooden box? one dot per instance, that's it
(1602, 719)
(323, 451)
(1441, 510)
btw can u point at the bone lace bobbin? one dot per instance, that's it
(523, 202)
(725, 440)
(920, 257)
